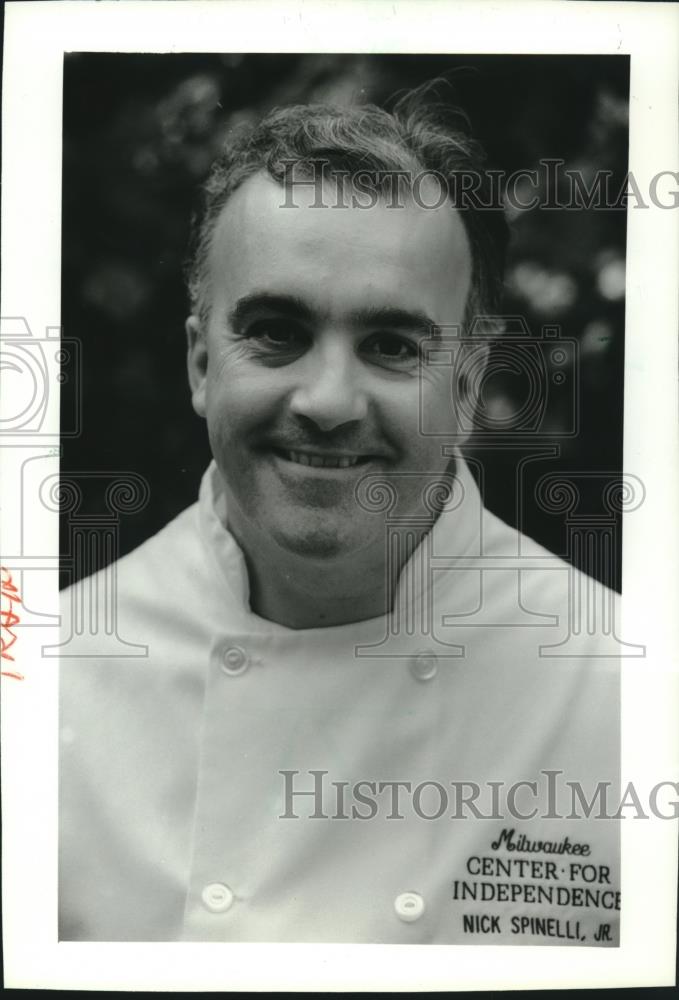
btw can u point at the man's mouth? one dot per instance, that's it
(322, 460)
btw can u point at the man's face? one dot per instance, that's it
(308, 372)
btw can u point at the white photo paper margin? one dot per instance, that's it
(36, 37)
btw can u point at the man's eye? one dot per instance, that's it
(392, 349)
(281, 335)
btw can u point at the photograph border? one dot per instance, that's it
(36, 38)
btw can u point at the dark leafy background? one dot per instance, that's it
(140, 132)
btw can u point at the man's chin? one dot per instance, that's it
(316, 542)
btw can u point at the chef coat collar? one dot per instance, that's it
(456, 533)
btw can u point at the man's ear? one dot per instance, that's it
(196, 362)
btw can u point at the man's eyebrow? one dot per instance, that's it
(286, 305)
(394, 318)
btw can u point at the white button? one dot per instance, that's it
(217, 897)
(423, 665)
(409, 906)
(235, 661)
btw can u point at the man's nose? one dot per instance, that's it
(329, 391)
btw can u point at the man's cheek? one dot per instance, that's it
(441, 414)
(411, 427)
(228, 405)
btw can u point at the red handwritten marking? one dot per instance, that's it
(9, 619)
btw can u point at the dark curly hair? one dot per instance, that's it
(366, 140)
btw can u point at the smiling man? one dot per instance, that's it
(307, 371)
(351, 720)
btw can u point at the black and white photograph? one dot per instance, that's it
(343, 504)
(345, 699)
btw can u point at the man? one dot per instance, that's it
(351, 724)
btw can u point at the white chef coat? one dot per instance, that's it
(178, 818)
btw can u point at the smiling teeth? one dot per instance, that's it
(322, 461)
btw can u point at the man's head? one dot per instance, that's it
(310, 302)
(371, 145)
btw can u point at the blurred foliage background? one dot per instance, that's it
(140, 133)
